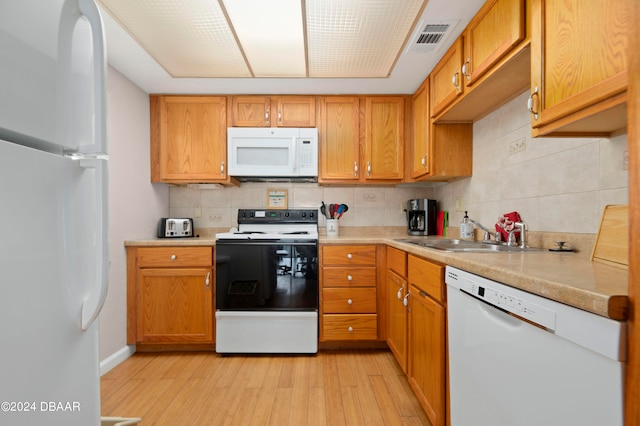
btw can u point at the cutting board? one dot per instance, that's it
(612, 241)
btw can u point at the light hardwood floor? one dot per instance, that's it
(342, 387)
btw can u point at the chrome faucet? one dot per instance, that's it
(522, 227)
(487, 232)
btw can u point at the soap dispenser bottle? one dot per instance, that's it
(466, 228)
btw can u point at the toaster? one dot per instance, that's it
(170, 227)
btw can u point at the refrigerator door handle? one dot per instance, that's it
(92, 304)
(89, 9)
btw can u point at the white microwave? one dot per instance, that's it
(263, 152)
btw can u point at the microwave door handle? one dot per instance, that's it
(294, 163)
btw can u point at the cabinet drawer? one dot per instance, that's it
(348, 255)
(174, 256)
(397, 261)
(349, 300)
(336, 276)
(427, 276)
(350, 327)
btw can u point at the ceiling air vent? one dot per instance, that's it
(430, 36)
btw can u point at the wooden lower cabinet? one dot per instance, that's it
(427, 337)
(170, 295)
(349, 295)
(397, 300)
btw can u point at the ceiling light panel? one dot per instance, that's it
(271, 35)
(357, 38)
(188, 38)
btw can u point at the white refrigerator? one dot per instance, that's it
(53, 210)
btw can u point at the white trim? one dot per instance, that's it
(116, 358)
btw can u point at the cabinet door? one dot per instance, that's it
(397, 318)
(446, 79)
(174, 305)
(296, 111)
(579, 61)
(384, 138)
(421, 125)
(492, 33)
(193, 139)
(250, 111)
(427, 354)
(339, 135)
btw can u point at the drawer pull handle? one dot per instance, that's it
(206, 280)
(350, 329)
(405, 302)
(350, 302)
(174, 257)
(349, 256)
(349, 277)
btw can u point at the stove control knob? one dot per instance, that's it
(311, 214)
(304, 214)
(286, 214)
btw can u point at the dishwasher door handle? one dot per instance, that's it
(499, 317)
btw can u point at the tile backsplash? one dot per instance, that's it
(368, 206)
(556, 184)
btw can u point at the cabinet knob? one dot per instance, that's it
(349, 277)
(206, 280)
(368, 168)
(222, 168)
(350, 302)
(355, 168)
(174, 257)
(266, 116)
(405, 301)
(280, 116)
(349, 256)
(350, 329)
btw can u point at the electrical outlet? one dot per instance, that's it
(369, 197)
(517, 146)
(403, 208)
(459, 204)
(215, 217)
(197, 211)
(625, 160)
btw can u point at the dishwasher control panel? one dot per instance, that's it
(503, 297)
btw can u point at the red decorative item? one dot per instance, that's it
(506, 223)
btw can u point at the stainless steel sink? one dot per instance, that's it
(453, 245)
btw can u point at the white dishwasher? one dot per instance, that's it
(551, 365)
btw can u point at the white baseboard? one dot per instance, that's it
(110, 362)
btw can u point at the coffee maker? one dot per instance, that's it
(421, 216)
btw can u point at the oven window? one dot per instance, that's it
(266, 276)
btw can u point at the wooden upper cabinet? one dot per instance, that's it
(274, 111)
(421, 125)
(446, 79)
(250, 111)
(384, 138)
(579, 67)
(339, 134)
(296, 111)
(188, 139)
(496, 29)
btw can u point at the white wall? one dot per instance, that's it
(555, 184)
(135, 205)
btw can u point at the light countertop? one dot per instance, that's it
(570, 278)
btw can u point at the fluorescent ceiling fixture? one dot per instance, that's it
(270, 38)
(271, 35)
